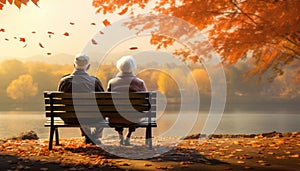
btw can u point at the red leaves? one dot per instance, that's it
(35, 2)
(1, 6)
(23, 1)
(123, 11)
(50, 32)
(106, 22)
(40, 44)
(133, 48)
(3, 1)
(94, 42)
(22, 39)
(66, 34)
(2, 30)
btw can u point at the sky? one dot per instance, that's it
(54, 16)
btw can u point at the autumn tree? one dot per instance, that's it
(267, 33)
(22, 88)
(17, 3)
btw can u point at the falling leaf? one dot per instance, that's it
(93, 24)
(50, 32)
(33, 32)
(94, 42)
(15, 38)
(66, 34)
(2, 30)
(106, 22)
(71, 23)
(24, 46)
(133, 48)
(123, 11)
(49, 53)
(22, 39)
(41, 45)
(6, 39)
(101, 32)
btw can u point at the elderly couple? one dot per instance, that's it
(125, 80)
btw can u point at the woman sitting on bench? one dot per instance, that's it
(124, 81)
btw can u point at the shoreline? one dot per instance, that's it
(266, 151)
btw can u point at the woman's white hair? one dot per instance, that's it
(126, 64)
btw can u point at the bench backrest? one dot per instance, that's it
(100, 104)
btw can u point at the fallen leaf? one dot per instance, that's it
(94, 42)
(106, 22)
(147, 164)
(66, 34)
(40, 44)
(22, 39)
(294, 156)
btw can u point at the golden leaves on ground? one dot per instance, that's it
(241, 153)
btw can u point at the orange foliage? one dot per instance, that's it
(17, 3)
(266, 31)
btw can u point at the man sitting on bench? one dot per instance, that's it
(81, 81)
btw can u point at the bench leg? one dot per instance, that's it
(52, 129)
(56, 137)
(149, 137)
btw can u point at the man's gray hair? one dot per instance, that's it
(81, 61)
(126, 64)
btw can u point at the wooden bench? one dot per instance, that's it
(99, 106)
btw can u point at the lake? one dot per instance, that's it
(12, 123)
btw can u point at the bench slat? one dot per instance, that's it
(97, 114)
(101, 108)
(101, 101)
(61, 123)
(115, 95)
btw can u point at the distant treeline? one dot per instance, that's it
(22, 83)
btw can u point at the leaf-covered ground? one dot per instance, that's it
(261, 152)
